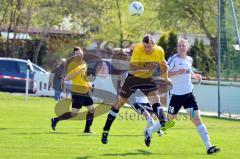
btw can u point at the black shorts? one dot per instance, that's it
(133, 83)
(186, 100)
(79, 100)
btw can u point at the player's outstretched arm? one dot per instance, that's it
(178, 72)
(196, 76)
(133, 69)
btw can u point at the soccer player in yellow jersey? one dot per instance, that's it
(77, 73)
(146, 58)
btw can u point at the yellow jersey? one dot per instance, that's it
(140, 57)
(80, 83)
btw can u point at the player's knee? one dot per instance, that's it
(74, 111)
(120, 102)
(73, 114)
(91, 110)
(196, 119)
(153, 97)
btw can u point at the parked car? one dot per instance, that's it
(13, 75)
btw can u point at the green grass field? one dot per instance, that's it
(25, 133)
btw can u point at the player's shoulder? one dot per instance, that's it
(73, 61)
(173, 57)
(69, 60)
(138, 47)
(83, 62)
(158, 49)
(189, 58)
(71, 64)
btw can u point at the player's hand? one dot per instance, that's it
(66, 78)
(168, 81)
(163, 84)
(151, 65)
(181, 71)
(198, 77)
(91, 86)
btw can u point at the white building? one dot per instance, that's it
(189, 36)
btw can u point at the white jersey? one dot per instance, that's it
(182, 84)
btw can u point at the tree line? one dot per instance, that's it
(109, 20)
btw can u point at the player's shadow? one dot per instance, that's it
(139, 152)
(40, 133)
(84, 157)
(4, 128)
(117, 135)
(122, 135)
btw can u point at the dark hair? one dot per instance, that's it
(76, 48)
(148, 39)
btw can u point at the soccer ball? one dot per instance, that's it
(136, 8)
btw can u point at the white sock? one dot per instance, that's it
(202, 131)
(150, 121)
(154, 128)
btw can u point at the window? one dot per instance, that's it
(22, 67)
(7, 66)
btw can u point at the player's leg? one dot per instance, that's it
(56, 95)
(149, 116)
(59, 95)
(122, 99)
(76, 106)
(202, 131)
(195, 116)
(111, 117)
(64, 116)
(150, 121)
(89, 119)
(173, 109)
(141, 109)
(147, 112)
(90, 114)
(158, 111)
(153, 116)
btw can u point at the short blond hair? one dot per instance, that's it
(183, 40)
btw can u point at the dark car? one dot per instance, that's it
(13, 75)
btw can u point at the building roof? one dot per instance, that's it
(34, 30)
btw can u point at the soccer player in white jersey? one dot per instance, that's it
(180, 72)
(143, 107)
